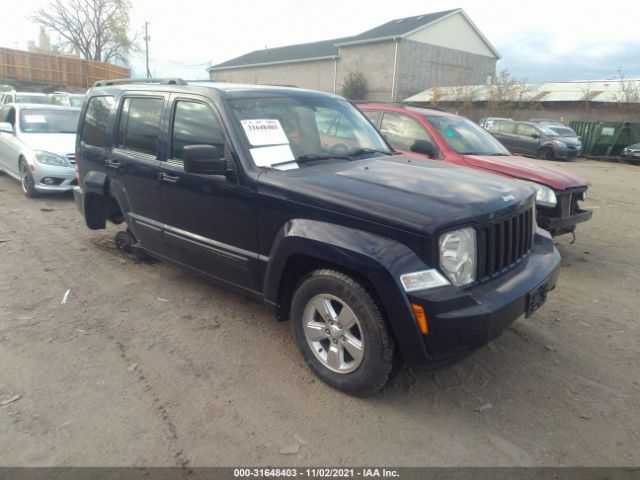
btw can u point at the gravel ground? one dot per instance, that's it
(150, 365)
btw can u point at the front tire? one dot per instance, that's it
(341, 333)
(545, 153)
(26, 180)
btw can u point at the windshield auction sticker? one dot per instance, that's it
(35, 119)
(265, 132)
(267, 156)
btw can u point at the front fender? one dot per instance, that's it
(378, 259)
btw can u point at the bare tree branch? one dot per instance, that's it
(98, 29)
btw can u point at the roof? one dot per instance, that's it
(327, 49)
(611, 91)
(399, 27)
(225, 90)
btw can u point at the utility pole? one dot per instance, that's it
(146, 41)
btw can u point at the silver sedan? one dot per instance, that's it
(37, 146)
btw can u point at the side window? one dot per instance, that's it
(402, 131)
(372, 115)
(8, 115)
(139, 125)
(526, 130)
(195, 124)
(507, 127)
(95, 126)
(3, 114)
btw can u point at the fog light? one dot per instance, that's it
(51, 181)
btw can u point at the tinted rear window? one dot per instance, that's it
(95, 128)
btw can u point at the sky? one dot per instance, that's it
(541, 41)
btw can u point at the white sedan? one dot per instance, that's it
(37, 146)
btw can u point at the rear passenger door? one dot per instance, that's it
(133, 166)
(210, 220)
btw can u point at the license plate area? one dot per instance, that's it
(536, 298)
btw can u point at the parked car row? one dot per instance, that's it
(414, 245)
(56, 98)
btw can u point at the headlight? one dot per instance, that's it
(47, 158)
(458, 255)
(544, 195)
(560, 144)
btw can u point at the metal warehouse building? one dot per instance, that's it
(399, 59)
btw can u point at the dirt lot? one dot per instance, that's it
(151, 365)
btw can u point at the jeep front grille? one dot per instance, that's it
(504, 243)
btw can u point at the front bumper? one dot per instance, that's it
(463, 319)
(50, 179)
(564, 217)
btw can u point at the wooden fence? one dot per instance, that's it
(46, 68)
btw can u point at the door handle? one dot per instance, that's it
(164, 177)
(113, 164)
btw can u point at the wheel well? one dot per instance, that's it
(299, 266)
(99, 209)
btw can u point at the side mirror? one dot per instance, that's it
(203, 159)
(535, 135)
(6, 127)
(423, 147)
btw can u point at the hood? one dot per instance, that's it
(59, 143)
(569, 140)
(527, 169)
(423, 196)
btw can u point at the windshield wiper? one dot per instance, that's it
(361, 151)
(485, 154)
(311, 157)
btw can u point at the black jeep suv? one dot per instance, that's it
(294, 198)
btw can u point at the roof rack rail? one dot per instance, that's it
(122, 81)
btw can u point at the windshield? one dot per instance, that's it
(547, 131)
(284, 130)
(49, 121)
(564, 131)
(465, 137)
(31, 99)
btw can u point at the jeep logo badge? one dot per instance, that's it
(507, 198)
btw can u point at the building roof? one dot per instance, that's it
(330, 48)
(612, 91)
(398, 28)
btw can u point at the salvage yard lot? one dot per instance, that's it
(148, 364)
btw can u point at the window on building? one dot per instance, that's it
(140, 125)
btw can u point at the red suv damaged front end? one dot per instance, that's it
(454, 139)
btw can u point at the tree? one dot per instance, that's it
(98, 29)
(505, 92)
(354, 86)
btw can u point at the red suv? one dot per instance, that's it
(443, 136)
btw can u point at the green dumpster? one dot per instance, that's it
(606, 139)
